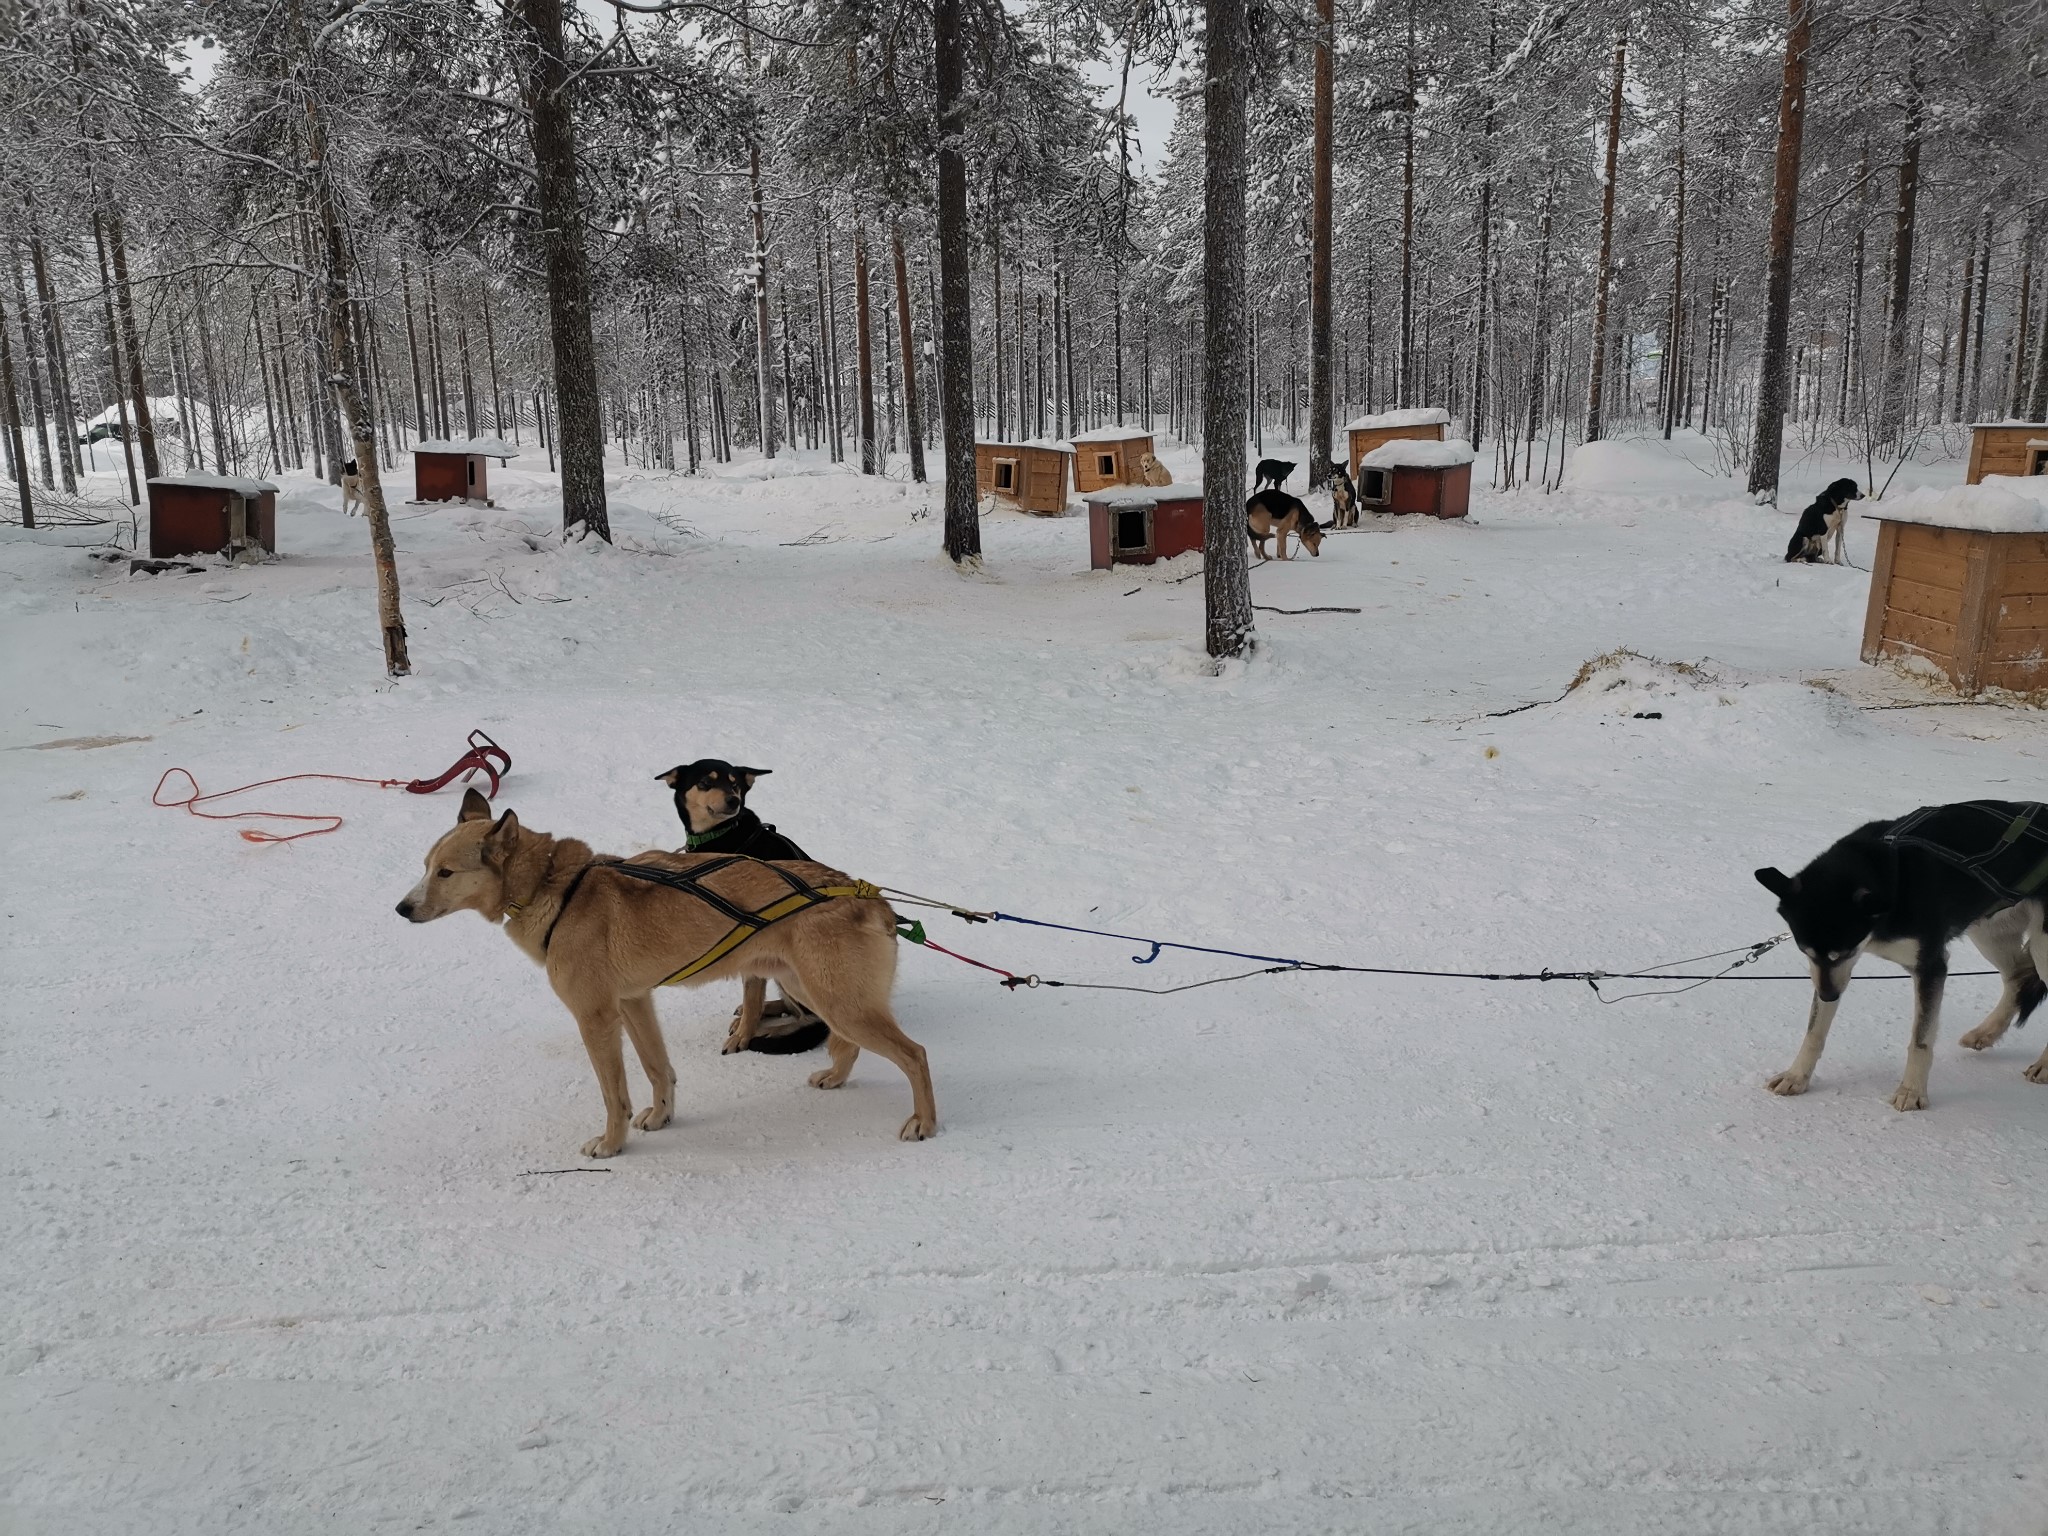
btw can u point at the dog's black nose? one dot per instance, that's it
(405, 908)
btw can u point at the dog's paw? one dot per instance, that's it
(831, 1077)
(1983, 1037)
(1909, 1097)
(734, 1042)
(2038, 1072)
(600, 1146)
(1789, 1083)
(917, 1128)
(652, 1118)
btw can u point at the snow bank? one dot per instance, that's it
(235, 483)
(489, 447)
(1418, 453)
(1420, 416)
(1111, 434)
(1996, 504)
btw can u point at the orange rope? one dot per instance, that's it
(195, 800)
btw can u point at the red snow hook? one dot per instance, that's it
(484, 756)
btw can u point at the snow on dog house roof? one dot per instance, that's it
(1996, 504)
(235, 483)
(1110, 434)
(489, 447)
(1146, 495)
(1418, 453)
(1420, 416)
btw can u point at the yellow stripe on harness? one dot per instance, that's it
(774, 912)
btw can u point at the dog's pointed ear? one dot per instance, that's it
(474, 808)
(1777, 882)
(753, 774)
(670, 777)
(503, 830)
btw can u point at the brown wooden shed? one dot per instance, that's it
(1972, 602)
(1424, 424)
(1417, 475)
(1031, 474)
(1109, 456)
(455, 469)
(2007, 448)
(210, 515)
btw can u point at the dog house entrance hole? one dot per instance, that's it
(2039, 466)
(470, 465)
(1134, 532)
(1105, 465)
(1006, 474)
(1372, 485)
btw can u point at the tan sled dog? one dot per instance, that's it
(608, 939)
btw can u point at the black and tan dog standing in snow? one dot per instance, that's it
(1904, 891)
(711, 799)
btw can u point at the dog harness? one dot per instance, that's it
(2003, 843)
(745, 924)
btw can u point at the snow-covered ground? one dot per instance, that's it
(1308, 1253)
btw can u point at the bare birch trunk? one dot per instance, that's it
(333, 280)
(1226, 575)
(1768, 445)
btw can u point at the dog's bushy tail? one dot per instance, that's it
(2032, 991)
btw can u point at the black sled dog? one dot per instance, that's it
(1904, 890)
(711, 799)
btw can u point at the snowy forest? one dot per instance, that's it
(683, 230)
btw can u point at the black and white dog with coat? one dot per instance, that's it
(1904, 891)
(711, 799)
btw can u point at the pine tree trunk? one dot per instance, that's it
(1226, 575)
(1596, 376)
(35, 377)
(1321, 416)
(2037, 393)
(913, 420)
(17, 451)
(124, 306)
(577, 401)
(1899, 359)
(284, 383)
(1404, 383)
(1768, 444)
(412, 346)
(764, 373)
(117, 386)
(333, 282)
(1668, 371)
(865, 349)
(956, 315)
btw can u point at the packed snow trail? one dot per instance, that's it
(1304, 1253)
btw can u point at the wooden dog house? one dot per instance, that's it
(1416, 475)
(454, 469)
(1137, 525)
(1425, 424)
(2007, 448)
(1109, 456)
(1031, 474)
(210, 514)
(1971, 601)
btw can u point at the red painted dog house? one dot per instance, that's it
(1139, 524)
(1404, 475)
(456, 469)
(210, 514)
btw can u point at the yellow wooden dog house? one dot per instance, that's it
(1422, 424)
(2007, 448)
(1032, 474)
(1109, 456)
